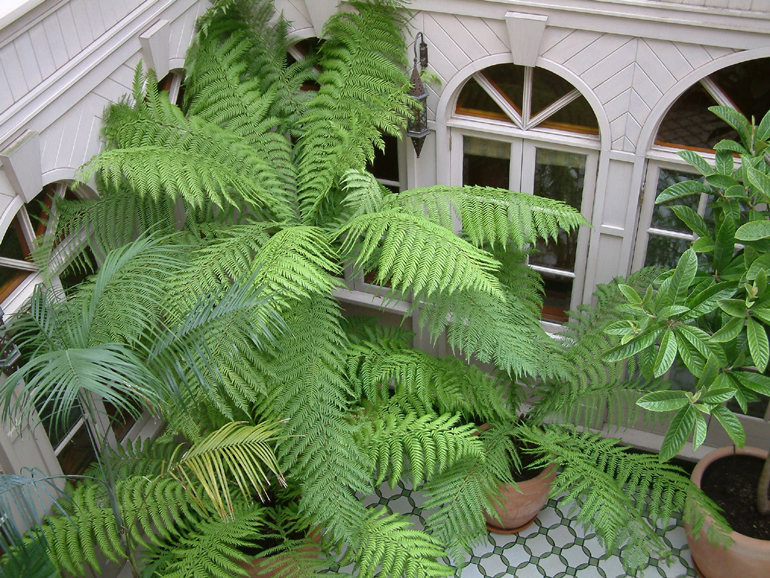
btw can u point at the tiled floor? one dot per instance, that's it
(555, 546)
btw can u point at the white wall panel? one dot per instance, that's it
(29, 66)
(66, 22)
(670, 53)
(447, 32)
(109, 13)
(53, 34)
(13, 71)
(617, 106)
(6, 98)
(486, 35)
(81, 23)
(654, 68)
(43, 52)
(295, 12)
(606, 68)
(598, 51)
(569, 45)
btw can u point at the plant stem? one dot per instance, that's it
(763, 504)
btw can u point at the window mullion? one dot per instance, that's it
(526, 108)
(553, 108)
(499, 99)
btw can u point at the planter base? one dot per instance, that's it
(496, 530)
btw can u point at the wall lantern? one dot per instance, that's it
(417, 129)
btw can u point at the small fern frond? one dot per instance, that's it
(491, 216)
(431, 442)
(418, 255)
(388, 546)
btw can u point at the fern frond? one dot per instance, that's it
(419, 256)
(431, 442)
(389, 546)
(490, 216)
(363, 91)
(623, 496)
(212, 548)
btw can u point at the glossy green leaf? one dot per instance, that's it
(754, 381)
(673, 310)
(729, 330)
(710, 372)
(761, 182)
(701, 429)
(761, 313)
(735, 120)
(724, 163)
(697, 161)
(683, 189)
(763, 130)
(630, 293)
(761, 262)
(703, 245)
(641, 341)
(717, 395)
(619, 328)
(758, 344)
(666, 354)
(736, 192)
(676, 286)
(733, 307)
(753, 231)
(721, 181)
(708, 299)
(663, 400)
(691, 357)
(730, 145)
(724, 244)
(678, 432)
(731, 423)
(692, 219)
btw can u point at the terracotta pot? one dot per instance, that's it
(522, 503)
(747, 557)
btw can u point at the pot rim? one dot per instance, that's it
(710, 458)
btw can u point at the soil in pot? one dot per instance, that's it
(732, 482)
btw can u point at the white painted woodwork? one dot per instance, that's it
(155, 47)
(525, 33)
(319, 11)
(21, 164)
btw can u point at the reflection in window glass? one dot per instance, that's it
(486, 163)
(508, 79)
(665, 251)
(747, 85)
(385, 165)
(689, 123)
(577, 116)
(475, 101)
(547, 88)
(559, 175)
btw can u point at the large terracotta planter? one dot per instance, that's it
(747, 557)
(521, 506)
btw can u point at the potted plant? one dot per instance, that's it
(711, 315)
(275, 200)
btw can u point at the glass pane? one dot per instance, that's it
(662, 216)
(78, 454)
(747, 84)
(664, 251)
(13, 246)
(475, 101)
(690, 124)
(121, 421)
(57, 428)
(577, 116)
(556, 302)
(486, 163)
(547, 88)
(385, 165)
(39, 210)
(508, 79)
(559, 175)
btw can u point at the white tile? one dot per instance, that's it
(552, 565)
(493, 565)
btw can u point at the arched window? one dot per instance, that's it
(688, 125)
(528, 129)
(35, 222)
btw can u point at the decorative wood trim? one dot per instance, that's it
(155, 47)
(21, 163)
(525, 31)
